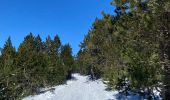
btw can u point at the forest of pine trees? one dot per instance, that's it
(130, 50)
(34, 65)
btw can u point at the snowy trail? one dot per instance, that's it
(79, 89)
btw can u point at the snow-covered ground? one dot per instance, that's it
(81, 89)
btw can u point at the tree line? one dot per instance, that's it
(35, 64)
(130, 50)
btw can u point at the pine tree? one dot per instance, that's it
(81, 65)
(48, 45)
(8, 53)
(56, 44)
(26, 61)
(38, 44)
(55, 68)
(67, 59)
(7, 70)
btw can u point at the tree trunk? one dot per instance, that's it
(92, 73)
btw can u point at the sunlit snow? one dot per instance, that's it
(81, 88)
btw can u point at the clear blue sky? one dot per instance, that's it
(70, 19)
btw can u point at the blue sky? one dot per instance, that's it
(70, 19)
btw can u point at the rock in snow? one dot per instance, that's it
(81, 88)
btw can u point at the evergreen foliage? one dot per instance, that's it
(67, 59)
(130, 50)
(36, 64)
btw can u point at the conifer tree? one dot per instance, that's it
(57, 44)
(38, 44)
(48, 45)
(7, 70)
(67, 59)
